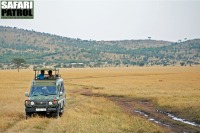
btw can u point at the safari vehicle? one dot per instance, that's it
(46, 95)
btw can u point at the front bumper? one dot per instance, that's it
(33, 109)
(41, 106)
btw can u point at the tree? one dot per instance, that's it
(182, 63)
(18, 62)
(149, 38)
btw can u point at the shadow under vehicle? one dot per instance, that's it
(47, 96)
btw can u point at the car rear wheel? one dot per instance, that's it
(61, 110)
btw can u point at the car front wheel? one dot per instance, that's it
(56, 114)
(28, 115)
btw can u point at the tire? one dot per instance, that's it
(28, 115)
(61, 112)
(56, 114)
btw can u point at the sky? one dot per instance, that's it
(169, 20)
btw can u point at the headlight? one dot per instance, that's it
(27, 102)
(50, 103)
(32, 103)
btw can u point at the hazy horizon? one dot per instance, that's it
(115, 20)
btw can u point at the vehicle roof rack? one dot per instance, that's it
(44, 68)
(56, 70)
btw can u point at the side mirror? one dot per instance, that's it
(61, 93)
(26, 94)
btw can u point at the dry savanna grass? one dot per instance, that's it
(174, 89)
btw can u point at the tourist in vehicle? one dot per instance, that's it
(50, 75)
(41, 75)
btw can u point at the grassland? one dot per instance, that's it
(172, 89)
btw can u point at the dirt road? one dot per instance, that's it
(149, 111)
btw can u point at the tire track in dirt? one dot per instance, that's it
(143, 108)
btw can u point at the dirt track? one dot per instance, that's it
(145, 109)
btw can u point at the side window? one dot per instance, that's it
(62, 87)
(59, 88)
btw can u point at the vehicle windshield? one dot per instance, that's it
(43, 90)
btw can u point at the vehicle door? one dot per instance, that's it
(62, 94)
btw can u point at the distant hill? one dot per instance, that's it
(38, 48)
